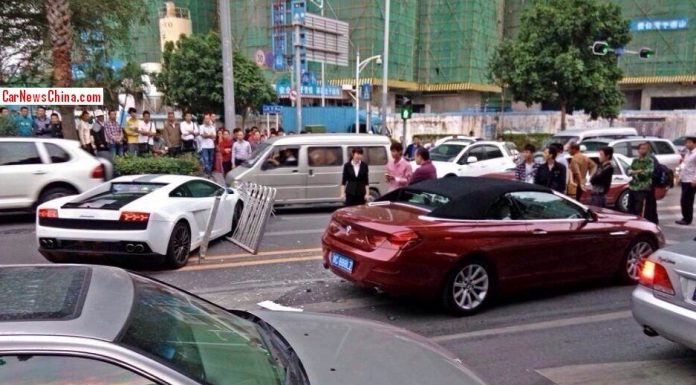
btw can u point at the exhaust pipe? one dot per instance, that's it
(130, 247)
(139, 248)
(650, 332)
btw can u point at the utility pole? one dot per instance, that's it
(385, 68)
(227, 63)
(323, 70)
(298, 75)
(357, 92)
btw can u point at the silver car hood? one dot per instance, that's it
(341, 351)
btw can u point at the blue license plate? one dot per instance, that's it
(342, 262)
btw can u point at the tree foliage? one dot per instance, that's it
(98, 72)
(25, 32)
(551, 62)
(191, 77)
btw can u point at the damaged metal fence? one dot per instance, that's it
(258, 205)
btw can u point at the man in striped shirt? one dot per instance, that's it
(114, 134)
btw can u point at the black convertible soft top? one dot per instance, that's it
(469, 197)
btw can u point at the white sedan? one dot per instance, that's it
(664, 303)
(464, 158)
(161, 216)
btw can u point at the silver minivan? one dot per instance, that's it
(308, 168)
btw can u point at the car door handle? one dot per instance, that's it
(539, 232)
(295, 171)
(311, 172)
(39, 172)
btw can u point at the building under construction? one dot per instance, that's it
(438, 48)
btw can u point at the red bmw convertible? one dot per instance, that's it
(464, 240)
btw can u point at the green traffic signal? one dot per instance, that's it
(406, 112)
(646, 53)
(600, 48)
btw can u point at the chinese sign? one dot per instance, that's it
(658, 25)
(308, 91)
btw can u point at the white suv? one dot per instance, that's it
(464, 158)
(664, 150)
(36, 170)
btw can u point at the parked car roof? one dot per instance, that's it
(324, 139)
(469, 197)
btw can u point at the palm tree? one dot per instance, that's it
(60, 33)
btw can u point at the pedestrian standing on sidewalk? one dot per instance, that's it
(551, 174)
(398, 170)
(225, 149)
(101, 147)
(601, 178)
(84, 132)
(56, 126)
(580, 166)
(355, 184)
(688, 182)
(131, 130)
(527, 169)
(640, 186)
(412, 148)
(146, 134)
(207, 144)
(189, 131)
(241, 149)
(41, 123)
(172, 135)
(426, 170)
(114, 135)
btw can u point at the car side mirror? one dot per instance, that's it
(583, 148)
(471, 159)
(592, 216)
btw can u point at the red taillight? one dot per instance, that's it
(48, 213)
(403, 238)
(654, 276)
(98, 172)
(333, 227)
(134, 217)
(376, 240)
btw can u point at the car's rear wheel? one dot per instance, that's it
(622, 202)
(179, 246)
(637, 252)
(54, 193)
(469, 288)
(374, 195)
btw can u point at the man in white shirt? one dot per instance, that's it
(146, 133)
(241, 149)
(688, 181)
(189, 131)
(207, 144)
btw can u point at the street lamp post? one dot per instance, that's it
(385, 69)
(359, 66)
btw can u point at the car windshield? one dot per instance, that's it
(256, 155)
(423, 199)
(446, 152)
(197, 339)
(593, 146)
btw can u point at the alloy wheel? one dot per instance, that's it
(182, 241)
(636, 256)
(470, 287)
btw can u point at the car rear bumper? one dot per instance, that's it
(155, 240)
(673, 322)
(380, 269)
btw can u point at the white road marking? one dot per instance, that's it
(563, 322)
(294, 232)
(673, 372)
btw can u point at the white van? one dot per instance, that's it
(308, 168)
(578, 135)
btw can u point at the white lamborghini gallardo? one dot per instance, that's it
(141, 215)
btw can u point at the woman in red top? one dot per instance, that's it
(225, 150)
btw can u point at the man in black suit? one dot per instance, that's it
(355, 186)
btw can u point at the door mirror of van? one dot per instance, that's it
(583, 148)
(471, 159)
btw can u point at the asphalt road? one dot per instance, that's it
(570, 335)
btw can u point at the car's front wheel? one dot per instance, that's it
(469, 288)
(622, 202)
(179, 246)
(638, 251)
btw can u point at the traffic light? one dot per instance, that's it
(600, 48)
(646, 53)
(407, 110)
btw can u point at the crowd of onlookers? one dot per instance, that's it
(103, 135)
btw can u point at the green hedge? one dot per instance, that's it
(133, 165)
(7, 126)
(537, 139)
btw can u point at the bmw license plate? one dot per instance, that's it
(342, 262)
